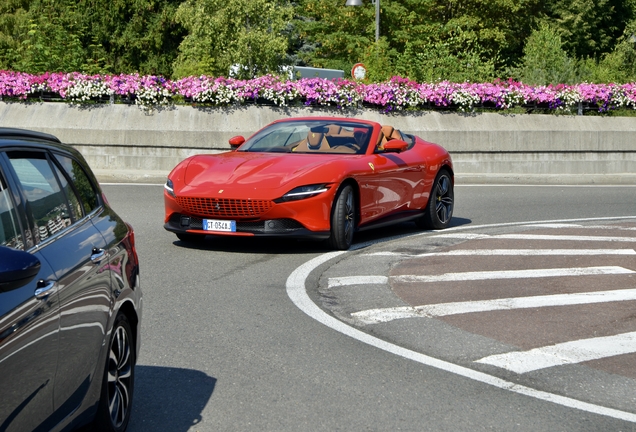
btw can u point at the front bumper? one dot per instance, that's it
(179, 223)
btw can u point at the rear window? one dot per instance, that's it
(47, 205)
(85, 189)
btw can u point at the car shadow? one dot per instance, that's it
(281, 245)
(259, 245)
(169, 399)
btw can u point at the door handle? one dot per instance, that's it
(45, 289)
(98, 255)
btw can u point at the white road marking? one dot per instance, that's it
(375, 316)
(513, 252)
(356, 280)
(598, 227)
(297, 293)
(537, 237)
(514, 274)
(564, 353)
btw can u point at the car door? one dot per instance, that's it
(86, 295)
(76, 251)
(390, 184)
(29, 327)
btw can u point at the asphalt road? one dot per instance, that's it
(225, 348)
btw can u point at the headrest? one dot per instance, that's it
(334, 130)
(397, 135)
(387, 131)
(314, 139)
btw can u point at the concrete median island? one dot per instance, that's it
(125, 143)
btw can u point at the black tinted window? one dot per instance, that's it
(83, 185)
(47, 207)
(10, 233)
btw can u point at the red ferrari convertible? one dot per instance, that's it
(319, 177)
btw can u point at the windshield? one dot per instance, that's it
(311, 136)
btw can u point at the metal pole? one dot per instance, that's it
(377, 20)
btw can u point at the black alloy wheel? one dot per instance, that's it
(343, 219)
(117, 388)
(439, 209)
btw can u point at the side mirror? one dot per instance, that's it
(17, 268)
(395, 146)
(236, 141)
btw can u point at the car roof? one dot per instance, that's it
(23, 138)
(15, 133)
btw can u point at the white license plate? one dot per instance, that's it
(219, 225)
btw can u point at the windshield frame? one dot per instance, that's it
(311, 136)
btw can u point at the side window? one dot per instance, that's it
(10, 233)
(84, 187)
(47, 207)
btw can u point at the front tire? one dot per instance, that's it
(343, 219)
(439, 209)
(113, 412)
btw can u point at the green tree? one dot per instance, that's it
(492, 29)
(224, 33)
(486, 35)
(544, 60)
(617, 66)
(46, 36)
(457, 58)
(133, 36)
(590, 28)
(13, 22)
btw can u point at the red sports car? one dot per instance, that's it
(320, 177)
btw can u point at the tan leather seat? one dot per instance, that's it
(334, 130)
(396, 135)
(385, 135)
(315, 141)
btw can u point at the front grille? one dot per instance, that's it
(223, 207)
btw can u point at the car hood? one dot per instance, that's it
(258, 170)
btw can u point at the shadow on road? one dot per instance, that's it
(282, 245)
(169, 399)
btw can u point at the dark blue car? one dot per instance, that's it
(70, 301)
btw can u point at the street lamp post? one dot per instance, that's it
(377, 14)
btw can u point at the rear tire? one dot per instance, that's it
(343, 219)
(113, 412)
(439, 209)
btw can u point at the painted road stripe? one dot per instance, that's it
(514, 274)
(513, 252)
(468, 236)
(356, 280)
(565, 353)
(375, 316)
(564, 225)
(297, 293)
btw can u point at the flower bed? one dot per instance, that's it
(395, 94)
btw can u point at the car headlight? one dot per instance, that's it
(303, 192)
(169, 188)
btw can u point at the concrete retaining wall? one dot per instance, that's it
(127, 143)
